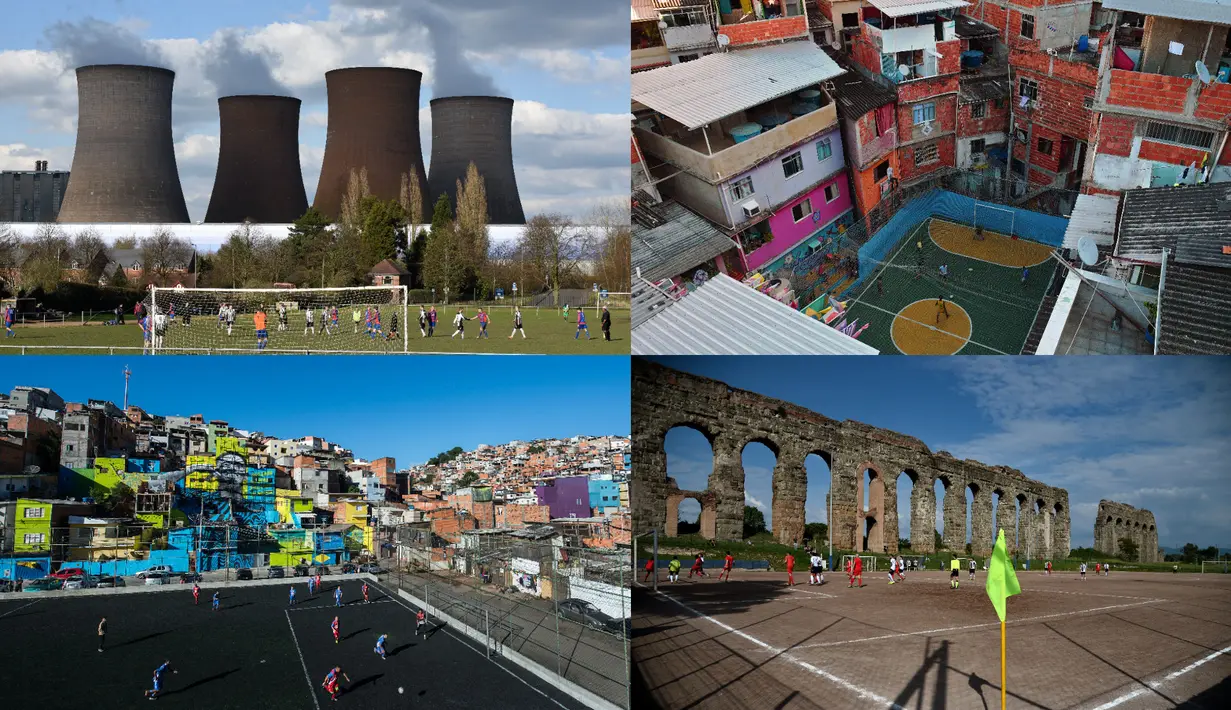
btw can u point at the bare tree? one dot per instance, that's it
(472, 226)
(612, 244)
(89, 253)
(10, 255)
(411, 198)
(555, 247)
(352, 201)
(44, 258)
(163, 253)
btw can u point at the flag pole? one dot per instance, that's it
(1003, 693)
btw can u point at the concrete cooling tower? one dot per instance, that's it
(476, 129)
(373, 123)
(124, 164)
(259, 178)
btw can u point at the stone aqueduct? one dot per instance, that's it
(1116, 521)
(730, 419)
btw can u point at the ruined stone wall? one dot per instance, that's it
(1115, 521)
(731, 419)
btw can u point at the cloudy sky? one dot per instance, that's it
(566, 65)
(1149, 432)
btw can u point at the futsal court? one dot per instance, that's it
(982, 306)
(1129, 641)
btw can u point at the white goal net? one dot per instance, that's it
(993, 218)
(1215, 566)
(365, 319)
(869, 562)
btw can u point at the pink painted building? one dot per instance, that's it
(814, 214)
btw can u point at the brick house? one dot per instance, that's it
(389, 273)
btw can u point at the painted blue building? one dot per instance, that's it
(604, 494)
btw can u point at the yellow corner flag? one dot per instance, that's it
(1001, 584)
(1001, 579)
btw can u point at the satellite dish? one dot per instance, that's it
(1088, 251)
(723, 40)
(903, 70)
(1202, 73)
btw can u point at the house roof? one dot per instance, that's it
(725, 317)
(1094, 216)
(973, 92)
(644, 10)
(1216, 11)
(715, 86)
(131, 258)
(1195, 310)
(1193, 221)
(388, 266)
(967, 27)
(901, 8)
(858, 95)
(677, 241)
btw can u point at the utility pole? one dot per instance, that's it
(127, 375)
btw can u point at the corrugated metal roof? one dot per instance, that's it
(1196, 311)
(858, 95)
(973, 92)
(1093, 216)
(900, 8)
(1157, 217)
(644, 10)
(725, 317)
(1218, 11)
(682, 242)
(704, 90)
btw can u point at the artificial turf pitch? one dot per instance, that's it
(547, 332)
(246, 656)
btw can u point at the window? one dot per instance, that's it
(998, 104)
(1027, 26)
(926, 154)
(1179, 135)
(1028, 88)
(978, 145)
(1045, 146)
(881, 171)
(35, 538)
(850, 19)
(792, 165)
(801, 211)
(36, 512)
(824, 149)
(388, 280)
(923, 113)
(978, 110)
(741, 189)
(832, 192)
(687, 57)
(683, 18)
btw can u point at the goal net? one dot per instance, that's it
(366, 319)
(1215, 566)
(869, 562)
(993, 218)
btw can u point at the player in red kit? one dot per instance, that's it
(790, 569)
(856, 571)
(727, 564)
(334, 626)
(196, 593)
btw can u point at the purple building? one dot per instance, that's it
(567, 497)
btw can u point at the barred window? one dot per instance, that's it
(1179, 135)
(927, 154)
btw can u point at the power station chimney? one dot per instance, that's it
(373, 124)
(479, 130)
(124, 164)
(259, 178)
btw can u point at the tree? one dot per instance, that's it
(467, 479)
(89, 253)
(1190, 552)
(440, 256)
(1128, 549)
(1209, 553)
(553, 248)
(125, 243)
(816, 532)
(119, 500)
(10, 254)
(939, 542)
(613, 244)
(163, 253)
(754, 521)
(383, 230)
(234, 263)
(472, 231)
(119, 279)
(410, 197)
(352, 201)
(45, 257)
(305, 240)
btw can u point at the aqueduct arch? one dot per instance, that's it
(664, 398)
(1117, 520)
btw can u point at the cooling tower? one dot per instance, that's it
(476, 129)
(258, 178)
(124, 164)
(373, 123)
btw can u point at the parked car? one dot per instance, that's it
(68, 573)
(7, 585)
(371, 568)
(156, 569)
(348, 568)
(583, 612)
(323, 570)
(302, 570)
(188, 577)
(110, 582)
(155, 578)
(46, 584)
(243, 573)
(275, 573)
(83, 582)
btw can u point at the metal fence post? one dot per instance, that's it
(487, 632)
(655, 560)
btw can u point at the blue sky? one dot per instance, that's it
(411, 409)
(566, 64)
(1149, 432)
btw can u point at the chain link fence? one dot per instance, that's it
(547, 597)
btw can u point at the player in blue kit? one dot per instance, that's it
(166, 666)
(216, 601)
(292, 595)
(581, 324)
(337, 596)
(380, 646)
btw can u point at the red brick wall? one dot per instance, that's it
(519, 516)
(923, 88)
(633, 148)
(995, 119)
(1214, 104)
(765, 30)
(951, 57)
(1167, 153)
(1037, 157)
(906, 159)
(1062, 93)
(867, 190)
(1149, 91)
(866, 55)
(946, 117)
(1115, 135)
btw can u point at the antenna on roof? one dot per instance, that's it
(1202, 73)
(1088, 251)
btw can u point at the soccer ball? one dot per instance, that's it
(400, 691)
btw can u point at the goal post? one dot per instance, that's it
(359, 319)
(869, 562)
(995, 218)
(1215, 566)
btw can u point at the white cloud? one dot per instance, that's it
(754, 502)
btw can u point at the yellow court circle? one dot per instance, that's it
(915, 329)
(994, 248)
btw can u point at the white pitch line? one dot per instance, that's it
(1156, 684)
(815, 594)
(863, 693)
(23, 606)
(929, 632)
(311, 688)
(306, 607)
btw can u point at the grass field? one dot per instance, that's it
(547, 332)
(990, 310)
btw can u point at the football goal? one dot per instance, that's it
(1215, 566)
(869, 562)
(364, 319)
(994, 218)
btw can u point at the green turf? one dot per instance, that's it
(1002, 310)
(547, 332)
